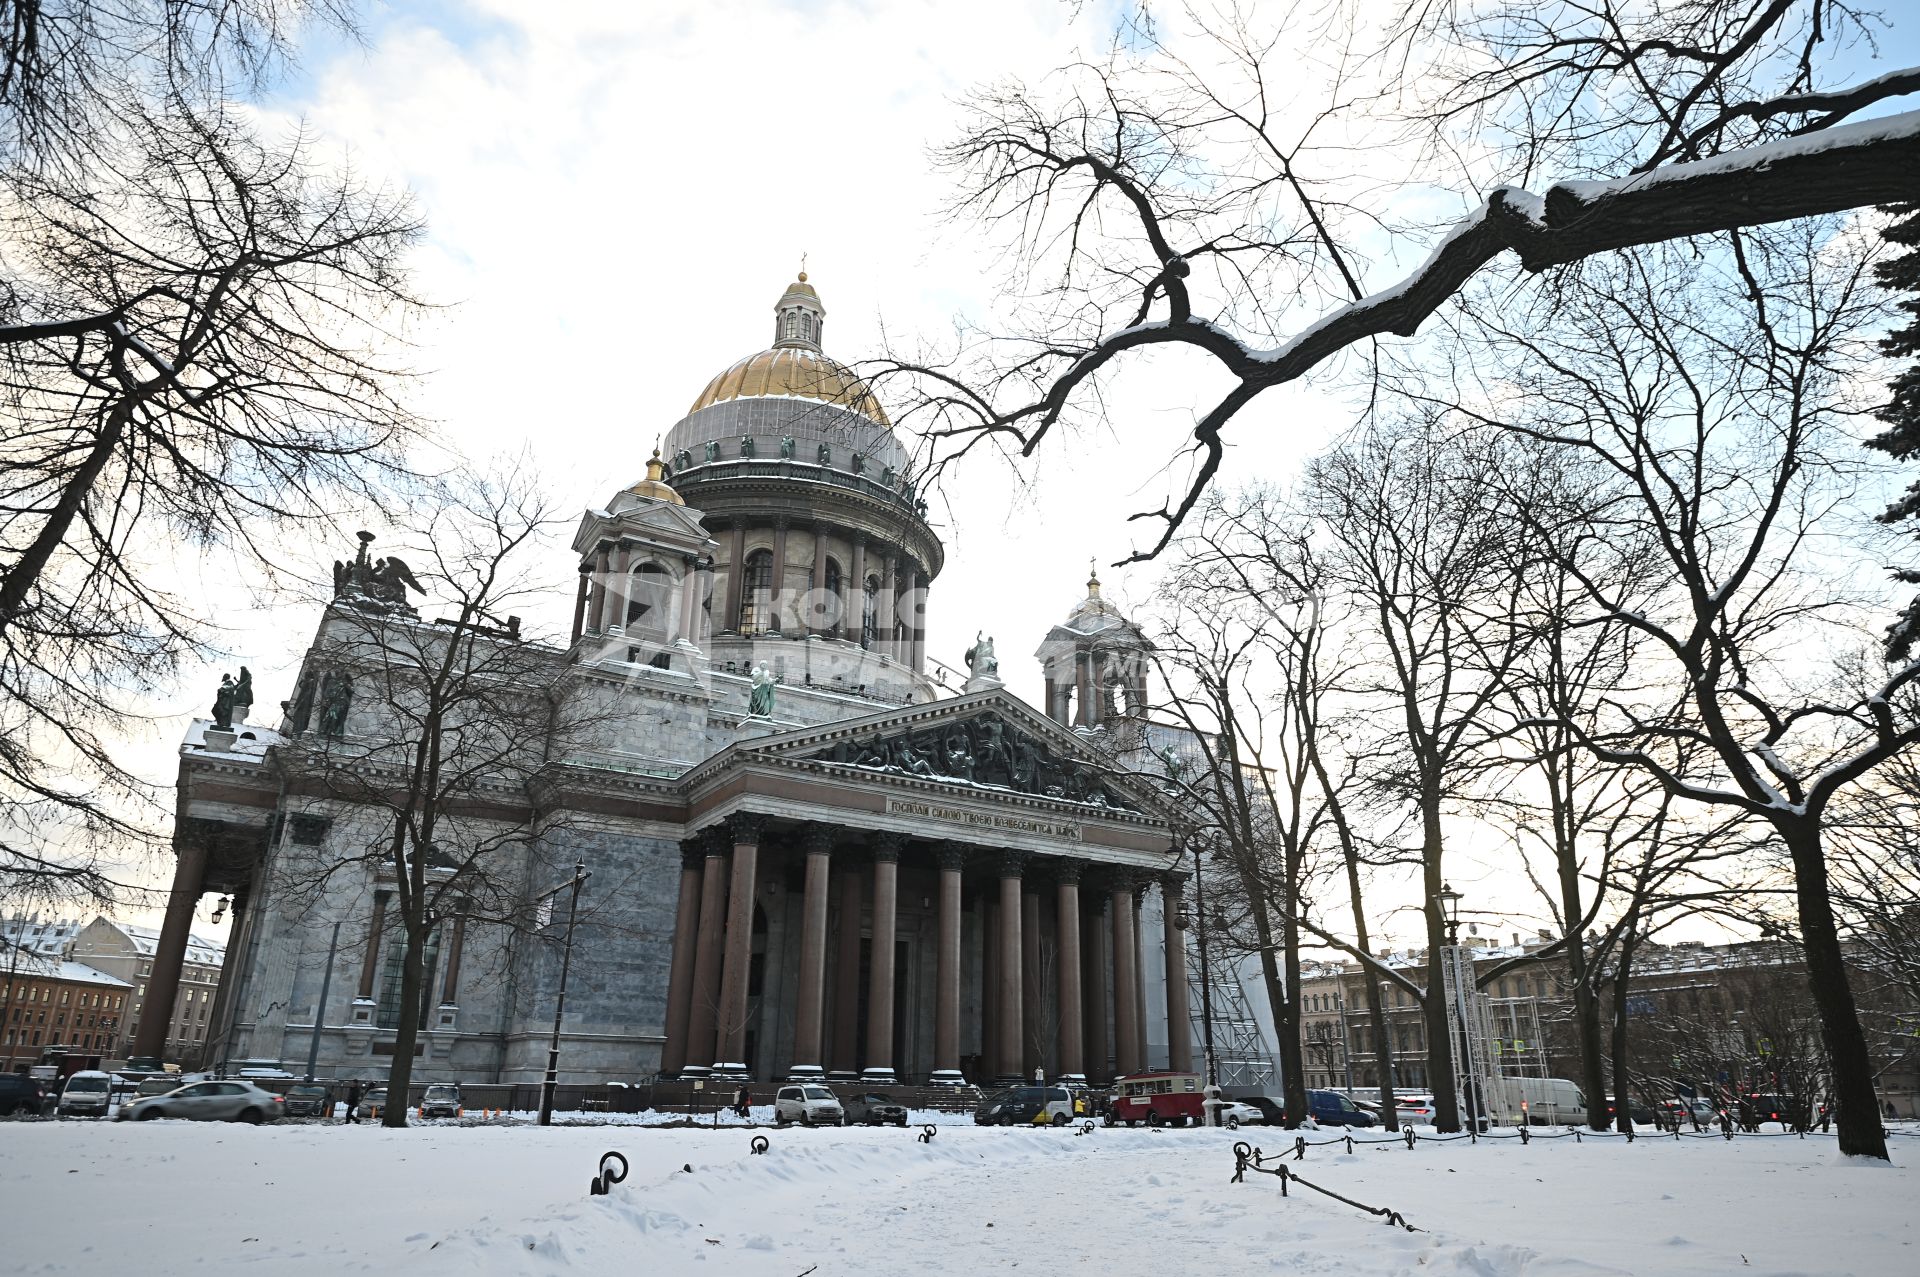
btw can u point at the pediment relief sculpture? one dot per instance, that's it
(983, 751)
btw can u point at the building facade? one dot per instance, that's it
(51, 1002)
(803, 859)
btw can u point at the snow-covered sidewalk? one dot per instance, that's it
(171, 1197)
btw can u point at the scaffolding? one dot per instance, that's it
(1239, 1046)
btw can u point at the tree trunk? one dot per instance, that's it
(1376, 1013)
(1856, 1108)
(1295, 1079)
(1440, 1073)
(1586, 1006)
(413, 974)
(25, 572)
(1286, 1022)
(1622, 1084)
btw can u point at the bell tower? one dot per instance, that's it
(1095, 664)
(798, 317)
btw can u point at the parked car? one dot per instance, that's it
(442, 1099)
(371, 1105)
(809, 1105)
(86, 1094)
(1544, 1101)
(227, 1101)
(1757, 1108)
(158, 1084)
(21, 1094)
(876, 1108)
(1639, 1113)
(309, 1099)
(1235, 1114)
(1416, 1109)
(1026, 1106)
(1332, 1108)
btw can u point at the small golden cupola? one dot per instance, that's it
(655, 484)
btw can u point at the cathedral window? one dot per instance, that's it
(393, 973)
(756, 594)
(837, 592)
(649, 599)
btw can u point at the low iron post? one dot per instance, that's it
(320, 1011)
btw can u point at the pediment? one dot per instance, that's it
(656, 522)
(988, 741)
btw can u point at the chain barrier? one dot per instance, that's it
(759, 1145)
(1526, 1135)
(926, 1134)
(1247, 1158)
(1086, 1128)
(609, 1174)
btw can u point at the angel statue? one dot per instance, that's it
(760, 700)
(980, 659)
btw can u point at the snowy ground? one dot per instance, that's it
(103, 1199)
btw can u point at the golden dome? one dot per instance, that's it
(792, 372)
(655, 484)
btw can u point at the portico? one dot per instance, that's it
(917, 894)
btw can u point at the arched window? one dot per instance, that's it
(649, 599)
(756, 593)
(836, 591)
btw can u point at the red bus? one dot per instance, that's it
(1158, 1099)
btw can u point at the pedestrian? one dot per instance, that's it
(1826, 1119)
(1890, 1113)
(353, 1102)
(743, 1103)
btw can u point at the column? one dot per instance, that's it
(883, 608)
(163, 983)
(1067, 927)
(686, 936)
(857, 591)
(1179, 1021)
(689, 631)
(1126, 1006)
(597, 609)
(704, 999)
(777, 603)
(450, 987)
(1032, 1050)
(1011, 1021)
(1139, 977)
(1082, 691)
(370, 964)
(846, 981)
(817, 605)
(735, 575)
(917, 613)
(619, 585)
(731, 1028)
(1093, 970)
(580, 600)
(946, 1008)
(989, 989)
(886, 882)
(810, 1006)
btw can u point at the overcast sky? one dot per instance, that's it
(616, 194)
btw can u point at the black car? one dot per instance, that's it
(309, 1099)
(21, 1094)
(1026, 1106)
(875, 1108)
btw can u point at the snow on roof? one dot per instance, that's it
(48, 936)
(251, 740)
(24, 962)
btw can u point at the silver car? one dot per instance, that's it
(209, 1102)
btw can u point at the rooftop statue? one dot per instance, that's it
(760, 700)
(232, 694)
(980, 659)
(378, 585)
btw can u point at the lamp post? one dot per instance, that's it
(580, 876)
(1459, 969)
(1206, 967)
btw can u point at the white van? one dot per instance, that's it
(86, 1094)
(1536, 1101)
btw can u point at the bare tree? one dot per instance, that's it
(192, 351)
(1719, 401)
(436, 735)
(1198, 190)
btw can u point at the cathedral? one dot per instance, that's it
(806, 858)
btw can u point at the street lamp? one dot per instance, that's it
(1459, 968)
(580, 876)
(1450, 910)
